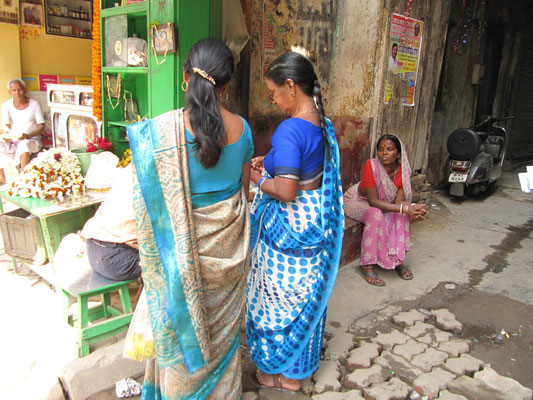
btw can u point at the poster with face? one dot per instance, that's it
(9, 12)
(31, 14)
(404, 54)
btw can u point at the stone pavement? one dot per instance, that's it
(423, 358)
(474, 235)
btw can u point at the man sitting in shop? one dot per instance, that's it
(111, 238)
(24, 121)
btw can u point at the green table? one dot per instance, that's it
(58, 218)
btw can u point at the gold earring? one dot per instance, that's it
(292, 93)
(186, 86)
(225, 98)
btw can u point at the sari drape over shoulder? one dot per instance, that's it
(296, 249)
(194, 269)
(385, 234)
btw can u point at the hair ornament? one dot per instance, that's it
(204, 75)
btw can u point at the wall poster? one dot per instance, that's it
(404, 54)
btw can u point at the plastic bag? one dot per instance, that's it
(101, 172)
(139, 344)
(234, 31)
(127, 387)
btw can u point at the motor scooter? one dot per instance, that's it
(476, 157)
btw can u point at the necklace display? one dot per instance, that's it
(304, 112)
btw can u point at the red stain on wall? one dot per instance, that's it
(353, 135)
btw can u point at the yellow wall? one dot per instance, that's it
(10, 60)
(55, 55)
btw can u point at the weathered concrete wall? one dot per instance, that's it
(348, 40)
(413, 123)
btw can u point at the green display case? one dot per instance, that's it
(154, 87)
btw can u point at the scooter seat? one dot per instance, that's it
(463, 144)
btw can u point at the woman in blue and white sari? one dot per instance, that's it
(297, 228)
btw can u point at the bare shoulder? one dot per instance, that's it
(234, 125)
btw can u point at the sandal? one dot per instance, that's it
(404, 272)
(276, 381)
(370, 276)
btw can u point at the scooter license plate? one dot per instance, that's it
(457, 178)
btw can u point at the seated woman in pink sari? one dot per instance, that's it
(382, 202)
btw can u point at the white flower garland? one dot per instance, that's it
(54, 173)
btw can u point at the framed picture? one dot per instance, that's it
(163, 39)
(31, 14)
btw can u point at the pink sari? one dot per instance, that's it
(385, 234)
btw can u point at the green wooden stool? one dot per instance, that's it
(99, 322)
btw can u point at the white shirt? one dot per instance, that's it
(393, 64)
(114, 221)
(22, 121)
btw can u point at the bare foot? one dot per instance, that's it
(277, 381)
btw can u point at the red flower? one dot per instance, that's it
(57, 156)
(91, 147)
(100, 143)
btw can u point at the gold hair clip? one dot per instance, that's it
(204, 75)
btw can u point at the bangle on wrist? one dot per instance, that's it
(407, 209)
(401, 208)
(261, 182)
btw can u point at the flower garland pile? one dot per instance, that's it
(53, 174)
(96, 63)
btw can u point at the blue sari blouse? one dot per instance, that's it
(210, 185)
(297, 151)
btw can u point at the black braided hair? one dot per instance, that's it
(301, 70)
(216, 59)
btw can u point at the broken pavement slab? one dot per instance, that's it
(465, 364)
(364, 377)
(409, 349)
(349, 395)
(99, 371)
(430, 383)
(338, 347)
(446, 321)
(362, 356)
(409, 318)
(394, 389)
(504, 384)
(388, 340)
(327, 377)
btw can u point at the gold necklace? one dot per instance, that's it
(304, 112)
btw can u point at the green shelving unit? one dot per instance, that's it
(155, 87)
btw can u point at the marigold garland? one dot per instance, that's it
(96, 63)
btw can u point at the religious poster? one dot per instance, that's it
(9, 12)
(404, 55)
(270, 50)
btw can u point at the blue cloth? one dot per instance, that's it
(296, 248)
(297, 151)
(211, 185)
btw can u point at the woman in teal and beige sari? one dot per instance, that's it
(192, 170)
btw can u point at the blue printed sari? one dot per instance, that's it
(194, 263)
(296, 248)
